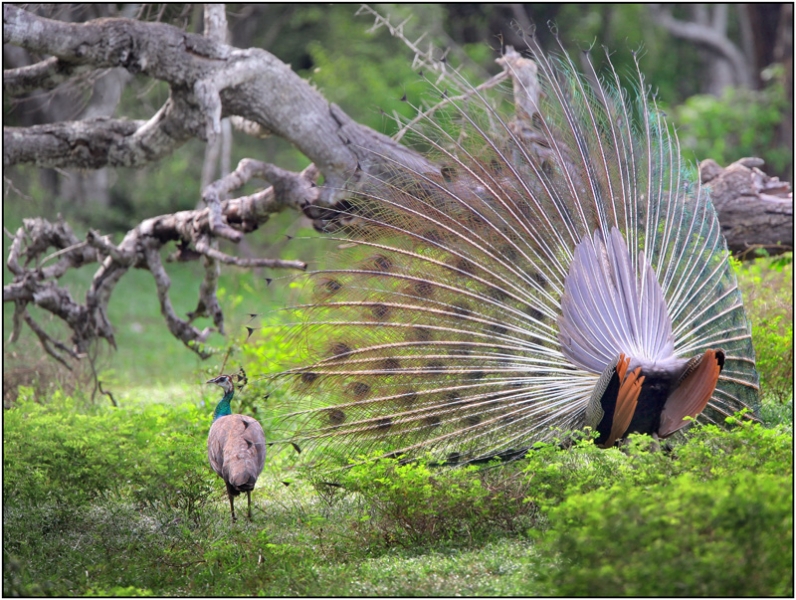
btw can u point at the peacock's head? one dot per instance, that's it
(225, 381)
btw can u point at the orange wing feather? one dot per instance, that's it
(626, 401)
(693, 394)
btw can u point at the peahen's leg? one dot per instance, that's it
(231, 506)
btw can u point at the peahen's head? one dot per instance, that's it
(225, 381)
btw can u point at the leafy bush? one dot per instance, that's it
(414, 504)
(767, 286)
(706, 451)
(711, 516)
(55, 453)
(84, 486)
(711, 451)
(177, 479)
(72, 455)
(731, 536)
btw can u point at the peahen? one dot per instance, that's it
(235, 446)
(558, 270)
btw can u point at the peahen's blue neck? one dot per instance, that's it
(223, 408)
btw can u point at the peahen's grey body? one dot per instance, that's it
(235, 446)
(559, 270)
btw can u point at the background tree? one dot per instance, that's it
(176, 83)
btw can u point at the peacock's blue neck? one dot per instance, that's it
(223, 408)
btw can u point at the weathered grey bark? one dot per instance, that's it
(755, 210)
(218, 150)
(88, 93)
(208, 80)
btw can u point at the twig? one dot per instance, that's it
(46, 340)
(113, 400)
(489, 83)
(62, 251)
(275, 263)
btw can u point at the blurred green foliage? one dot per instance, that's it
(368, 74)
(740, 123)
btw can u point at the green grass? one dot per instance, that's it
(506, 567)
(121, 501)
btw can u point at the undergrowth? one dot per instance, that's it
(104, 501)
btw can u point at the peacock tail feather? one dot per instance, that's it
(443, 320)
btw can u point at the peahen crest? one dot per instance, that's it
(559, 267)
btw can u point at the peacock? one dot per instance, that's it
(557, 270)
(235, 446)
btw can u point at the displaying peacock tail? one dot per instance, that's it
(559, 269)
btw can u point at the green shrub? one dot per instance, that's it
(711, 451)
(55, 452)
(554, 473)
(767, 287)
(731, 536)
(102, 491)
(636, 520)
(73, 455)
(705, 451)
(414, 504)
(178, 479)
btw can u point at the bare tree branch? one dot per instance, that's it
(181, 329)
(708, 36)
(44, 75)
(48, 342)
(208, 80)
(140, 248)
